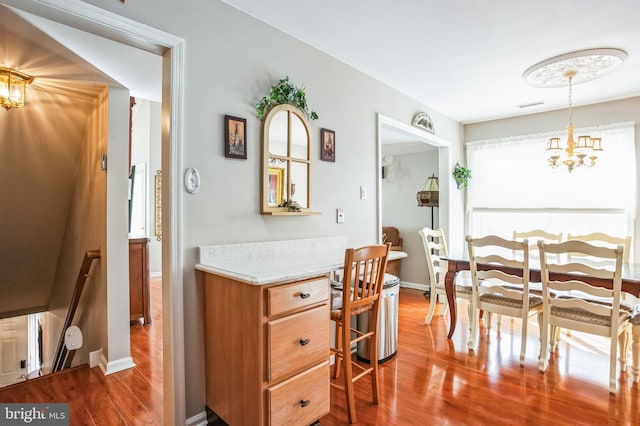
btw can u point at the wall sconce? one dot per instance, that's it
(12, 88)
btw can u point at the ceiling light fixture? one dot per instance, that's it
(567, 70)
(12, 88)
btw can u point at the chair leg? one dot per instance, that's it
(523, 340)
(432, 306)
(348, 373)
(488, 322)
(445, 305)
(373, 351)
(540, 328)
(613, 347)
(554, 338)
(471, 344)
(470, 313)
(635, 353)
(337, 362)
(544, 345)
(623, 347)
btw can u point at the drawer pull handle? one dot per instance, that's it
(305, 295)
(304, 342)
(304, 402)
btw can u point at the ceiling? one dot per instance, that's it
(462, 58)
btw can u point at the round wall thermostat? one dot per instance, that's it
(192, 180)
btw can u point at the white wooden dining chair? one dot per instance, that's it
(581, 306)
(536, 235)
(498, 291)
(435, 247)
(605, 240)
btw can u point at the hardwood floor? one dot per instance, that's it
(432, 380)
(130, 397)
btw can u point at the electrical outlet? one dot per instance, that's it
(340, 215)
(363, 192)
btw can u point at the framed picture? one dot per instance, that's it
(276, 187)
(328, 146)
(235, 131)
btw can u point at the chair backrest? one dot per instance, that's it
(536, 235)
(364, 270)
(391, 234)
(572, 288)
(490, 263)
(604, 240)
(435, 247)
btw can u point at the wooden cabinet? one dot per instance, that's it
(267, 351)
(139, 295)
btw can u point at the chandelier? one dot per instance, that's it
(12, 87)
(574, 154)
(569, 69)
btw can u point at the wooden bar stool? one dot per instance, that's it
(363, 278)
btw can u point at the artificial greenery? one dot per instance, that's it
(284, 93)
(461, 175)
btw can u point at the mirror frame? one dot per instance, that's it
(264, 179)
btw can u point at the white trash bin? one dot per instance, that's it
(387, 323)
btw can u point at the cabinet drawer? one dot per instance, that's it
(301, 399)
(290, 297)
(297, 341)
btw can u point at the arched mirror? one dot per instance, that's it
(286, 163)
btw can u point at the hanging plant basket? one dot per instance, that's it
(461, 175)
(284, 93)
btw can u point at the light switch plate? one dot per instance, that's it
(340, 215)
(363, 192)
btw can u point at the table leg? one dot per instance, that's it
(450, 290)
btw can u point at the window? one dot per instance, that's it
(514, 188)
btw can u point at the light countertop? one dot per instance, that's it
(276, 261)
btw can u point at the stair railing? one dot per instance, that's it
(63, 357)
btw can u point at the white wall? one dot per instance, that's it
(85, 230)
(116, 260)
(403, 180)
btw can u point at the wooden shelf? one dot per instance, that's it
(303, 213)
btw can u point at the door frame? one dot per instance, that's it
(92, 19)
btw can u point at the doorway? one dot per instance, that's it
(408, 156)
(114, 27)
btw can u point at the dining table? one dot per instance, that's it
(630, 280)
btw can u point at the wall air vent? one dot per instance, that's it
(530, 104)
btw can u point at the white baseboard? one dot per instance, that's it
(416, 286)
(95, 358)
(110, 367)
(155, 274)
(199, 419)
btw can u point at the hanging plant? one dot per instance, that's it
(284, 93)
(461, 175)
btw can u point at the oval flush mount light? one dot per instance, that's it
(588, 64)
